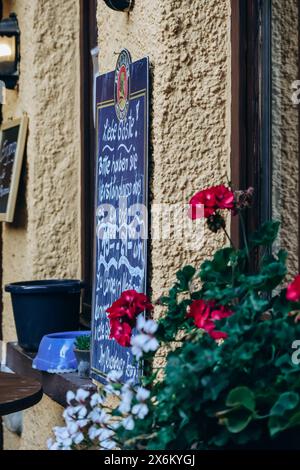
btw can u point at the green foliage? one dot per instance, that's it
(243, 392)
(241, 397)
(82, 343)
(266, 235)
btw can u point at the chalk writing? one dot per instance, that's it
(7, 156)
(121, 221)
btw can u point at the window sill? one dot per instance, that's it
(54, 385)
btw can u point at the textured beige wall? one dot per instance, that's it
(285, 130)
(44, 242)
(38, 423)
(189, 48)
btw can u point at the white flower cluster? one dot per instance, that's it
(144, 341)
(132, 400)
(84, 419)
(133, 405)
(89, 422)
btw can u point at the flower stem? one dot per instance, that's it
(244, 236)
(228, 236)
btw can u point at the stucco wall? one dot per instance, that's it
(285, 129)
(44, 241)
(189, 49)
(37, 425)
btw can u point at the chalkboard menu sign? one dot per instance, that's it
(121, 204)
(12, 145)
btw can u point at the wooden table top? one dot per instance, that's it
(18, 393)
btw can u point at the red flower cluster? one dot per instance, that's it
(123, 313)
(214, 198)
(293, 290)
(205, 313)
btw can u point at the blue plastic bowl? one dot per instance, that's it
(55, 354)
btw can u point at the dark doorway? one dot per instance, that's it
(265, 121)
(88, 41)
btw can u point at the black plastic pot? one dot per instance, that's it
(44, 307)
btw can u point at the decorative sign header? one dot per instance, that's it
(122, 85)
(121, 198)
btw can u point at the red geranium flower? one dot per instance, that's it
(121, 332)
(220, 312)
(130, 304)
(123, 314)
(218, 335)
(200, 311)
(214, 198)
(293, 290)
(205, 313)
(204, 198)
(224, 197)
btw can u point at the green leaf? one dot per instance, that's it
(278, 424)
(287, 401)
(164, 436)
(164, 300)
(266, 235)
(219, 270)
(241, 396)
(184, 417)
(280, 304)
(221, 438)
(246, 351)
(255, 281)
(295, 420)
(222, 258)
(237, 420)
(213, 385)
(185, 276)
(258, 303)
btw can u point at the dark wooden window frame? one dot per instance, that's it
(251, 159)
(88, 41)
(251, 163)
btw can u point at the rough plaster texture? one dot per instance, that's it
(285, 130)
(38, 424)
(44, 241)
(189, 48)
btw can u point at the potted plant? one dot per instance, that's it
(82, 353)
(229, 338)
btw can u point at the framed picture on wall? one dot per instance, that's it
(12, 146)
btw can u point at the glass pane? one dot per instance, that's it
(8, 55)
(285, 125)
